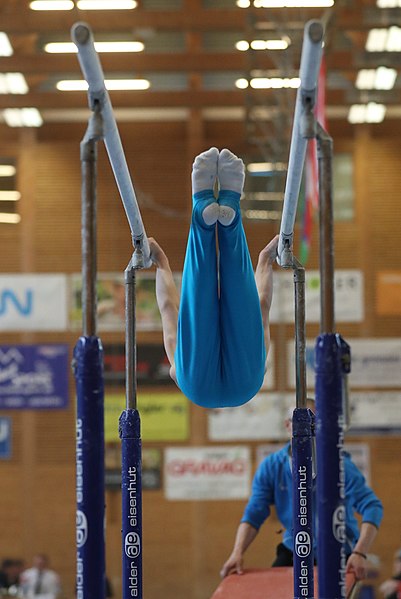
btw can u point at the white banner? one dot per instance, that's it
(261, 418)
(375, 363)
(202, 473)
(349, 296)
(33, 302)
(375, 410)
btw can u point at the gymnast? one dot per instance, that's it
(216, 336)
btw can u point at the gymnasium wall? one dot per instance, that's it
(185, 542)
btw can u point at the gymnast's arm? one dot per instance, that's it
(167, 299)
(264, 284)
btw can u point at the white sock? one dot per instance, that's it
(230, 171)
(231, 175)
(204, 170)
(211, 213)
(226, 215)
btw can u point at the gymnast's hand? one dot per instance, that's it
(157, 255)
(269, 253)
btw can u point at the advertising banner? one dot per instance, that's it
(261, 418)
(33, 302)
(349, 296)
(375, 411)
(153, 367)
(375, 363)
(205, 473)
(111, 301)
(34, 376)
(164, 416)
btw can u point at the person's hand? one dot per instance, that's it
(357, 565)
(388, 587)
(269, 253)
(233, 565)
(157, 255)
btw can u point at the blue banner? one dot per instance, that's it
(34, 377)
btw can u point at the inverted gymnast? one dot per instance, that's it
(217, 335)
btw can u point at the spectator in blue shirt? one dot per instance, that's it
(272, 485)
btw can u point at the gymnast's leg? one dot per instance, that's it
(243, 351)
(197, 355)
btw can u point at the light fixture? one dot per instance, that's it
(51, 5)
(381, 78)
(263, 214)
(293, 3)
(242, 83)
(384, 40)
(70, 48)
(261, 168)
(243, 3)
(7, 170)
(389, 3)
(275, 82)
(22, 117)
(69, 85)
(106, 4)
(10, 196)
(6, 48)
(366, 113)
(9, 218)
(13, 83)
(243, 45)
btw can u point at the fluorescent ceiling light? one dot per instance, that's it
(367, 113)
(275, 82)
(70, 48)
(69, 85)
(6, 48)
(269, 83)
(384, 40)
(380, 78)
(22, 117)
(265, 167)
(7, 170)
(293, 3)
(51, 5)
(243, 45)
(242, 83)
(13, 83)
(389, 3)
(9, 218)
(263, 214)
(243, 3)
(106, 4)
(10, 196)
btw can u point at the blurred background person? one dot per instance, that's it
(10, 575)
(39, 581)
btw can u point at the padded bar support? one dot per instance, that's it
(303, 129)
(81, 35)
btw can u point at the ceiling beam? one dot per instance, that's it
(187, 99)
(20, 20)
(200, 61)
